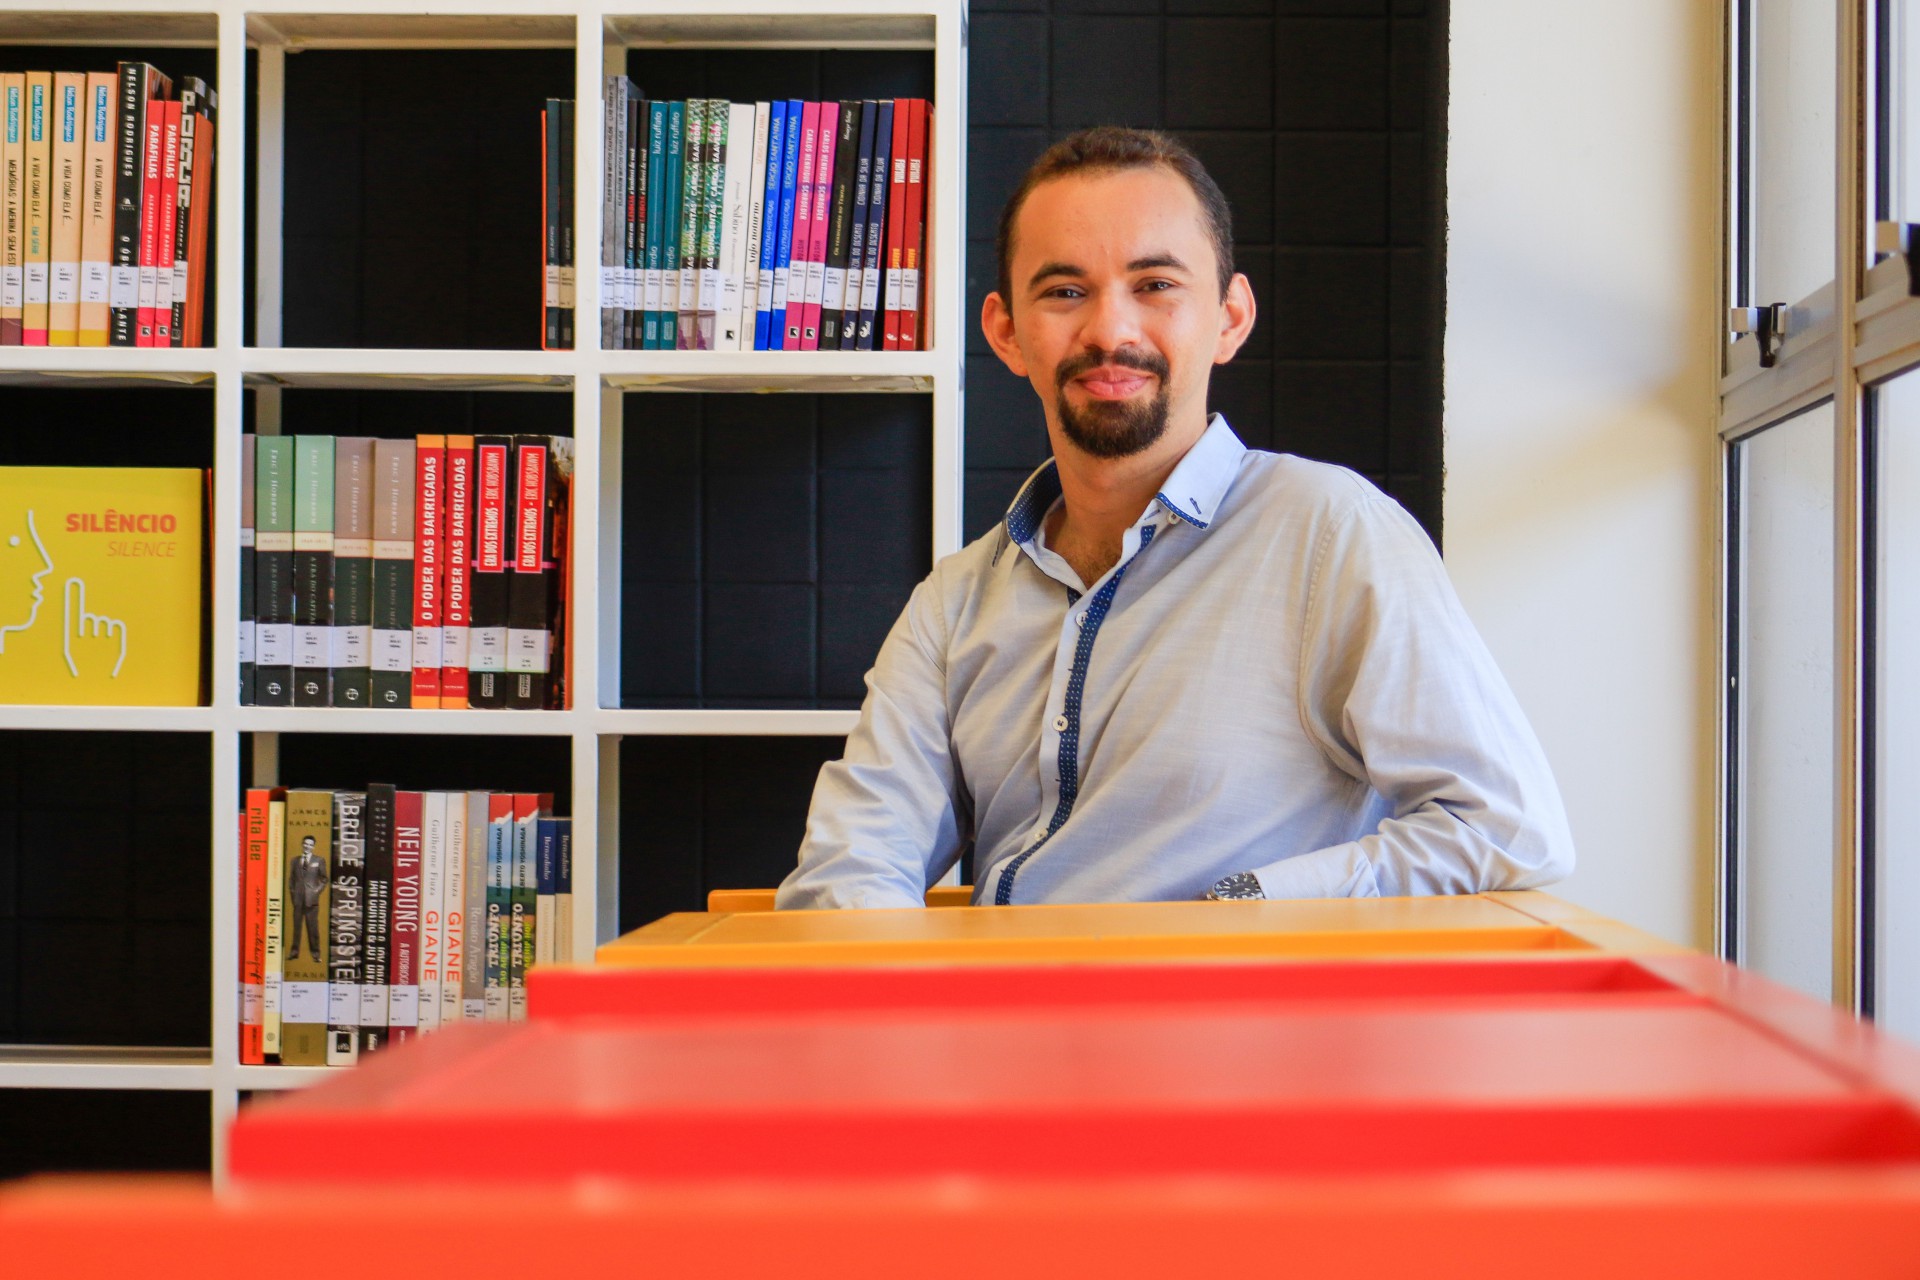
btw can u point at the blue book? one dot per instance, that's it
(656, 222)
(563, 892)
(769, 218)
(546, 859)
(783, 250)
(849, 327)
(670, 234)
(877, 192)
(499, 904)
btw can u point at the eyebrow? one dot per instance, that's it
(1068, 269)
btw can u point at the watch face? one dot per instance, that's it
(1243, 884)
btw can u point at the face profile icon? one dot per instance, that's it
(24, 566)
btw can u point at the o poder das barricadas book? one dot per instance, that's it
(101, 573)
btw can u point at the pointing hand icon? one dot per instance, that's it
(82, 631)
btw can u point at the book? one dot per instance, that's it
(245, 639)
(473, 921)
(751, 255)
(391, 657)
(634, 229)
(13, 210)
(495, 1001)
(195, 132)
(200, 213)
(558, 572)
(693, 160)
(67, 193)
(802, 225)
(563, 891)
(313, 564)
(654, 249)
(826, 157)
(453, 910)
(712, 223)
(833, 290)
(566, 225)
(913, 252)
(346, 927)
(457, 533)
(731, 306)
(38, 203)
(433, 921)
(377, 946)
(546, 877)
(770, 206)
(351, 640)
(550, 222)
(253, 925)
(403, 934)
(138, 85)
(96, 232)
(166, 214)
(493, 513)
(276, 957)
(871, 290)
(527, 589)
(849, 327)
(613, 125)
(303, 987)
(889, 321)
(671, 193)
(430, 459)
(273, 570)
(522, 937)
(152, 157)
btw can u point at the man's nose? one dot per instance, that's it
(1112, 320)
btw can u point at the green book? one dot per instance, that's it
(693, 156)
(352, 571)
(312, 570)
(273, 570)
(713, 173)
(670, 232)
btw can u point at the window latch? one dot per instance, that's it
(1902, 238)
(1767, 324)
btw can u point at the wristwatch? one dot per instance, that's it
(1243, 884)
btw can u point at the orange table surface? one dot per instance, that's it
(1492, 923)
(1572, 1225)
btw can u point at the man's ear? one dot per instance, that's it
(996, 321)
(1237, 314)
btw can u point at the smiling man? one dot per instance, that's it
(1180, 667)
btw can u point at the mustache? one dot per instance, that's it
(1140, 358)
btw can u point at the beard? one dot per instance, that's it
(1113, 428)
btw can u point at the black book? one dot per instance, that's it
(138, 86)
(273, 570)
(550, 207)
(246, 570)
(376, 942)
(566, 224)
(493, 509)
(346, 927)
(878, 188)
(352, 571)
(857, 233)
(391, 657)
(636, 218)
(528, 641)
(196, 118)
(846, 159)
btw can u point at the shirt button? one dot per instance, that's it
(1080, 620)
(1059, 724)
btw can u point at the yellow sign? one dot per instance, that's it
(100, 586)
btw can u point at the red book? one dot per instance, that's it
(150, 163)
(429, 569)
(824, 151)
(197, 213)
(166, 224)
(457, 617)
(403, 988)
(912, 277)
(896, 222)
(802, 224)
(253, 926)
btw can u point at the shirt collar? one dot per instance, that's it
(1193, 492)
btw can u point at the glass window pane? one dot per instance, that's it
(1897, 197)
(1896, 914)
(1791, 109)
(1785, 477)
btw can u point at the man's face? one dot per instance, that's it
(1116, 316)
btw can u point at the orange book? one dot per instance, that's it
(67, 206)
(253, 926)
(96, 230)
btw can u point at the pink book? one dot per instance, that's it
(817, 225)
(802, 224)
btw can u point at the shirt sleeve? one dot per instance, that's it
(885, 821)
(1400, 691)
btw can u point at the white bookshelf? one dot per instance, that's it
(600, 33)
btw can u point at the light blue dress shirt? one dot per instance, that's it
(1276, 678)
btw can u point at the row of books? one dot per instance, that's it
(106, 186)
(430, 572)
(751, 226)
(370, 917)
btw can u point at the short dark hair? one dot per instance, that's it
(1108, 149)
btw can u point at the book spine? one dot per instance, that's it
(527, 617)
(351, 639)
(473, 955)
(670, 228)
(857, 228)
(550, 223)
(492, 566)
(96, 235)
(693, 156)
(567, 220)
(635, 223)
(713, 215)
(403, 996)
(871, 292)
(558, 572)
(457, 537)
(789, 207)
(737, 165)
(751, 255)
(658, 118)
(276, 955)
(802, 226)
(152, 157)
(453, 910)
(38, 207)
(303, 991)
(563, 892)
(166, 215)
(522, 937)
(192, 94)
(253, 927)
(495, 1000)
(833, 291)
(13, 213)
(546, 868)
(248, 463)
(376, 967)
(896, 225)
(313, 479)
(346, 928)
(776, 145)
(433, 921)
(824, 165)
(429, 568)
(68, 204)
(613, 115)
(273, 570)
(913, 252)
(391, 657)
(129, 177)
(200, 217)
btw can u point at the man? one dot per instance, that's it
(1180, 667)
(306, 881)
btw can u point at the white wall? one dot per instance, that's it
(1582, 288)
